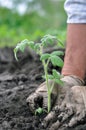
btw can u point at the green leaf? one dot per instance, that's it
(50, 77)
(45, 56)
(58, 53)
(60, 82)
(56, 61)
(37, 47)
(56, 74)
(23, 45)
(47, 39)
(60, 43)
(20, 46)
(31, 44)
(39, 111)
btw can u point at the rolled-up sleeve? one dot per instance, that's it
(76, 11)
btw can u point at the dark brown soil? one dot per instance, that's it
(17, 81)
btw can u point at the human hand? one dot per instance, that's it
(39, 97)
(68, 112)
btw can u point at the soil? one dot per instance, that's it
(17, 81)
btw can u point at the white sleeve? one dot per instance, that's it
(76, 11)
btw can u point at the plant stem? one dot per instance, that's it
(48, 88)
(49, 102)
(45, 65)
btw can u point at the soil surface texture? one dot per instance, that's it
(17, 81)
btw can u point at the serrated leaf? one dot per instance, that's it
(37, 47)
(49, 36)
(20, 46)
(60, 44)
(60, 82)
(50, 77)
(56, 74)
(39, 111)
(31, 44)
(45, 56)
(56, 61)
(47, 39)
(58, 53)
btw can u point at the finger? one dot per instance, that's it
(69, 112)
(77, 119)
(34, 101)
(55, 126)
(58, 123)
(62, 118)
(51, 117)
(48, 119)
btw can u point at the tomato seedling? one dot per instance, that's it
(39, 111)
(46, 58)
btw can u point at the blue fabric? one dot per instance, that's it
(76, 11)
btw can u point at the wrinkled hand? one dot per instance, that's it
(68, 103)
(39, 97)
(68, 112)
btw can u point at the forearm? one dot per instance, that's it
(75, 55)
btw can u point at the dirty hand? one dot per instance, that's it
(69, 112)
(39, 97)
